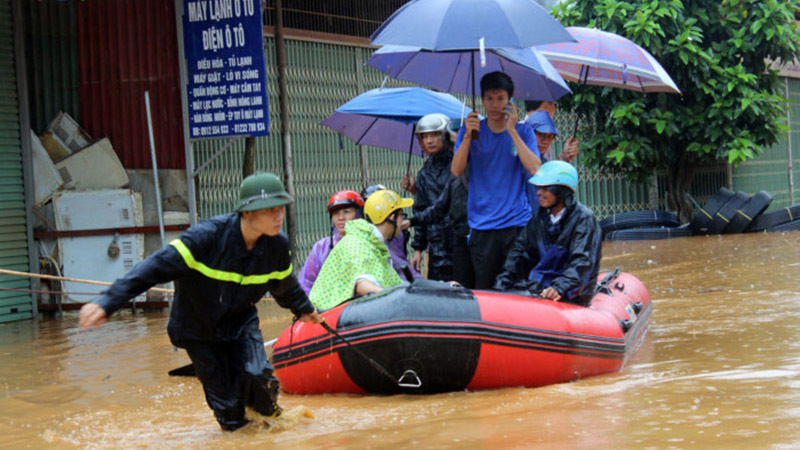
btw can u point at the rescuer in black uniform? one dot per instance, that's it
(222, 267)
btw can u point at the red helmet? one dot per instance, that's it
(344, 199)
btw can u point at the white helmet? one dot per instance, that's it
(433, 122)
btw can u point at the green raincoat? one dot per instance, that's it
(360, 252)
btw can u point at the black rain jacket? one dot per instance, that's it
(433, 179)
(565, 255)
(452, 204)
(218, 281)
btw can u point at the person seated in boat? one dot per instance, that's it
(557, 255)
(360, 263)
(541, 122)
(343, 207)
(397, 245)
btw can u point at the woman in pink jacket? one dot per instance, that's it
(343, 206)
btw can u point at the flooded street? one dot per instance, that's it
(719, 368)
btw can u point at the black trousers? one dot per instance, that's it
(234, 375)
(439, 270)
(489, 249)
(462, 262)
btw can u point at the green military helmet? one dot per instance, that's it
(262, 191)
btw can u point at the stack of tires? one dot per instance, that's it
(643, 226)
(728, 212)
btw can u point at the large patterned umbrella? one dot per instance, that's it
(601, 58)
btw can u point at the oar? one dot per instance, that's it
(188, 370)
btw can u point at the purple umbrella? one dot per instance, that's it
(533, 76)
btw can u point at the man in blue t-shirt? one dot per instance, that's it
(502, 157)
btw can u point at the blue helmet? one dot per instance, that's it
(557, 173)
(542, 122)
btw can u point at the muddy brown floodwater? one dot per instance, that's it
(719, 368)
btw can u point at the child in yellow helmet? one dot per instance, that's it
(359, 264)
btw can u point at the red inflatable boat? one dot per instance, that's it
(428, 337)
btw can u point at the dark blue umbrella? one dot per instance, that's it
(461, 24)
(386, 117)
(533, 76)
(448, 25)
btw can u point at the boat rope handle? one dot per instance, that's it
(371, 361)
(604, 285)
(409, 373)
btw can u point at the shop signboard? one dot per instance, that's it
(226, 73)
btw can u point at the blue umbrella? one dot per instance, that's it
(460, 24)
(386, 117)
(533, 76)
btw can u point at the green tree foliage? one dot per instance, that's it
(718, 53)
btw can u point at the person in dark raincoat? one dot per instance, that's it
(432, 179)
(557, 255)
(452, 205)
(222, 267)
(545, 129)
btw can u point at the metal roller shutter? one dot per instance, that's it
(14, 305)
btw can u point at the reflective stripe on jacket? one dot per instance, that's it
(218, 281)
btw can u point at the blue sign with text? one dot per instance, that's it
(227, 76)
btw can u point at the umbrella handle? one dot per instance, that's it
(411, 149)
(585, 73)
(408, 165)
(575, 129)
(474, 135)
